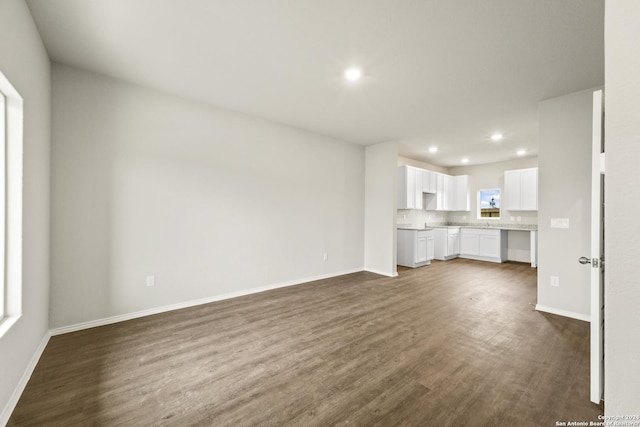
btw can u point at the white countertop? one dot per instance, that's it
(506, 227)
(404, 227)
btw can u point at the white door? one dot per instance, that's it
(597, 251)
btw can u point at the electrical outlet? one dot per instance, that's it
(513, 218)
(518, 218)
(151, 280)
(555, 281)
(325, 256)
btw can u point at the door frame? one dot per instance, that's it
(597, 250)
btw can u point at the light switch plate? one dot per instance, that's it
(555, 281)
(559, 222)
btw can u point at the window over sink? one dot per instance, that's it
(489, 203)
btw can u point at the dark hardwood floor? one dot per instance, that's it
(456, 343)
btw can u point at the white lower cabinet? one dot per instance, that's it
(470, 243)
(483, 244)
(446, 243)
(415, 247)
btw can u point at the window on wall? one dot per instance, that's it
(11, 113)
(489, 204)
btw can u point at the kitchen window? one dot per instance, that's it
(11, 115)
(489, 204)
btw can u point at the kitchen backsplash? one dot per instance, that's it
(418, 218)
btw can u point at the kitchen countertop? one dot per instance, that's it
(404, 227)
(507, 227)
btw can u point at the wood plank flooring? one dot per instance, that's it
(456, 343)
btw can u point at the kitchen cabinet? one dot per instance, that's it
(434, 191)
(442, 194)
(452, 194)
(444, 198)
(410, 187)
(429, 182)
(459, 193)
(469, 243)
(430, 245)
(521, 189)
(415, 247)
(446, 243)
(483, 244)
(438, 199)
(453, 244)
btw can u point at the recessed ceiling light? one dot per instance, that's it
(496, 137)
(521, 152)
(352, 74)
(465, 160)
(433, 149)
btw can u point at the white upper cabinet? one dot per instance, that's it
(409, 187)
(418, 177)
(521, 189)
(529, 189)
(461, 193)
(443, 193)
(429, 182)
(434, 191)
(455, 193)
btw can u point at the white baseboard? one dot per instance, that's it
(565, 313)
(192, 303)
(382, 273)
(15, 396)
(481, 258)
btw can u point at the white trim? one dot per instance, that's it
(17, 392)
(481, 258)
(382, 273)
(565, 313)
(12, 221)
(6, 323)
(192, 303)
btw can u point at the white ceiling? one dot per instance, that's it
(436, 72)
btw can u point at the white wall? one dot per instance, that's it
(380, 199)
(208, 201)
(25, 63)
(622, 204)
(564, 191)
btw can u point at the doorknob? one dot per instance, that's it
(584, 260)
